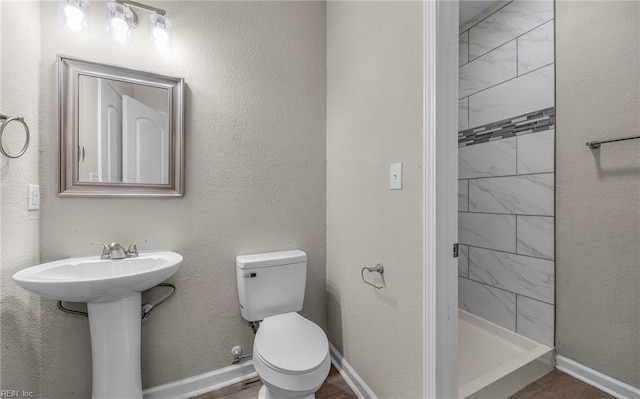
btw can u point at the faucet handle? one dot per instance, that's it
(132, 251)
(106, 251)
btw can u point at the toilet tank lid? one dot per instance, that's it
(270, 259)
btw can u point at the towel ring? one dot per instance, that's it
(377, 268)
(5, 121)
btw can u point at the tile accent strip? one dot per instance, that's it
(532, 122)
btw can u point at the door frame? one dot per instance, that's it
(440, 198)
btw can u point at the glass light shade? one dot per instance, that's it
(120, 21)
(160, 32)
(74, 14)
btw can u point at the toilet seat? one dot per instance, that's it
(291, 357)
(290, 344)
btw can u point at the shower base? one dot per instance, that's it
(494, 362)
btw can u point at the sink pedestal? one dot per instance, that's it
(112, 289)
(115, 348)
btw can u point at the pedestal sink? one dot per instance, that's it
(112, 290)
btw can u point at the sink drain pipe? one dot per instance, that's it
(145, 311)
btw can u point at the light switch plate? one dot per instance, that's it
(33, 198)
(395, 176)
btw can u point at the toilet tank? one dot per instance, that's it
(271, 283)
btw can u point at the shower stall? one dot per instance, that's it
(506, 191)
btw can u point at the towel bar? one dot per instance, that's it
(596, 143)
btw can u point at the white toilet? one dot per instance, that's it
(290, 353)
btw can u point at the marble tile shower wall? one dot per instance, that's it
(506, 181)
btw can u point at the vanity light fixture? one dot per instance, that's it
(74, 13)
(121, 20)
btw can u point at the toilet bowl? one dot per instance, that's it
(290, 353)
(291, 356)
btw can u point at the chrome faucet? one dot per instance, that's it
(117, 251)
(132, 251)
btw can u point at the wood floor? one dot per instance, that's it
(333, 388)
(559, 385)
(554, 385)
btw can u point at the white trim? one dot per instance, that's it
(217, 379)
(357, 384)
(203, 383)
(597, 379)
(440, 227)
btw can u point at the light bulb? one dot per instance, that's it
(160, 32)
(75, 18)
(119, 29)
(161, 39)
(74, 14)
(120, 21)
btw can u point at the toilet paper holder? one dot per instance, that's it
(379, 268)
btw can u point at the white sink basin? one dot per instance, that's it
(112, 289)
(94, 280)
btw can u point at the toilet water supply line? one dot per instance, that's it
(236, 351)
(145, 311)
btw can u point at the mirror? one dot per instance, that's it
(121, 131)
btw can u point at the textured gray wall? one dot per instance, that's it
(255, 178)
(598, 192)
(19, 238)
(374, 118)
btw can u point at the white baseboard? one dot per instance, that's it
(601, 381)
(357, 385)
(203, 383)
(214, 380)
